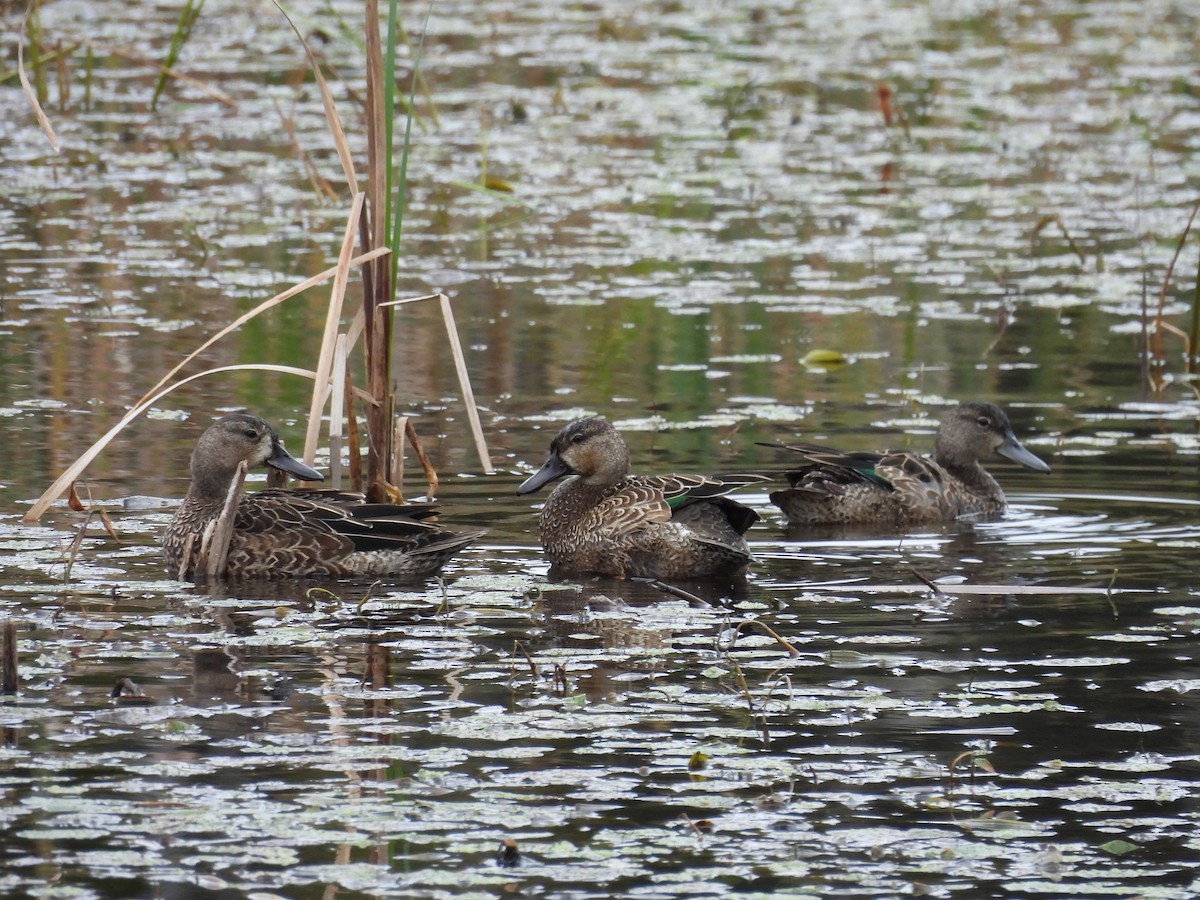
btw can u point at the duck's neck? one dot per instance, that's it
(209, 487)
(971, 474)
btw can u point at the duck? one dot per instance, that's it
(601, 520)
(297, 533)
(898, 488)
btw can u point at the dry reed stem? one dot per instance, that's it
(331, 115)
(337, 402)
(214, 552)
(355, 331)
(464, 381)
(928, 582)
(333, 316)
(739, 681)
(68, 477)
(377, 278)
(9, 681)
(1056, 220)
(30, 93)
(352, 446)
(410, 300)
(185, 558)
(90, 511)
(64, 481)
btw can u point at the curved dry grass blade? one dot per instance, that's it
(331, 115)
(64, 481)
(333, 317)
(431, 476)
(262, 307)
(30, 93)
(782, 641)
(464, 381)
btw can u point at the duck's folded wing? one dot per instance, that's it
(683, 491)
(919, 482)
(833, 466)
(902, 467)
(336, 515)
(680, 489)
(634, 505)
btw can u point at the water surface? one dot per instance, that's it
(702, 195)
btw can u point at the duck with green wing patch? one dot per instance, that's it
(603, 520)
(903, 488)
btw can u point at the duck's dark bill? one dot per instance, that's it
(284, 461)
(1011, 449)
(552, 468)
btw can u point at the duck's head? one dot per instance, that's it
(975, 431)
(235, 439)
(590, 448)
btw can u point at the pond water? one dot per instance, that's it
(702, 195)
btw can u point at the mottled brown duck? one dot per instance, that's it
(601, 519)
(298, 533)
(901, 488)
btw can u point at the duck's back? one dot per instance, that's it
(629, 529)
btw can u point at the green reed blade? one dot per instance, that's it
(187, 19)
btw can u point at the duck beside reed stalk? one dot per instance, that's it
(297, 533)
(903, 488)
(603, 520)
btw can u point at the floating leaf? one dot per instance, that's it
(823, 359)
(1118, 847)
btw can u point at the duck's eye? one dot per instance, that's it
(251, 434)
(578, 438)
(983, 422)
